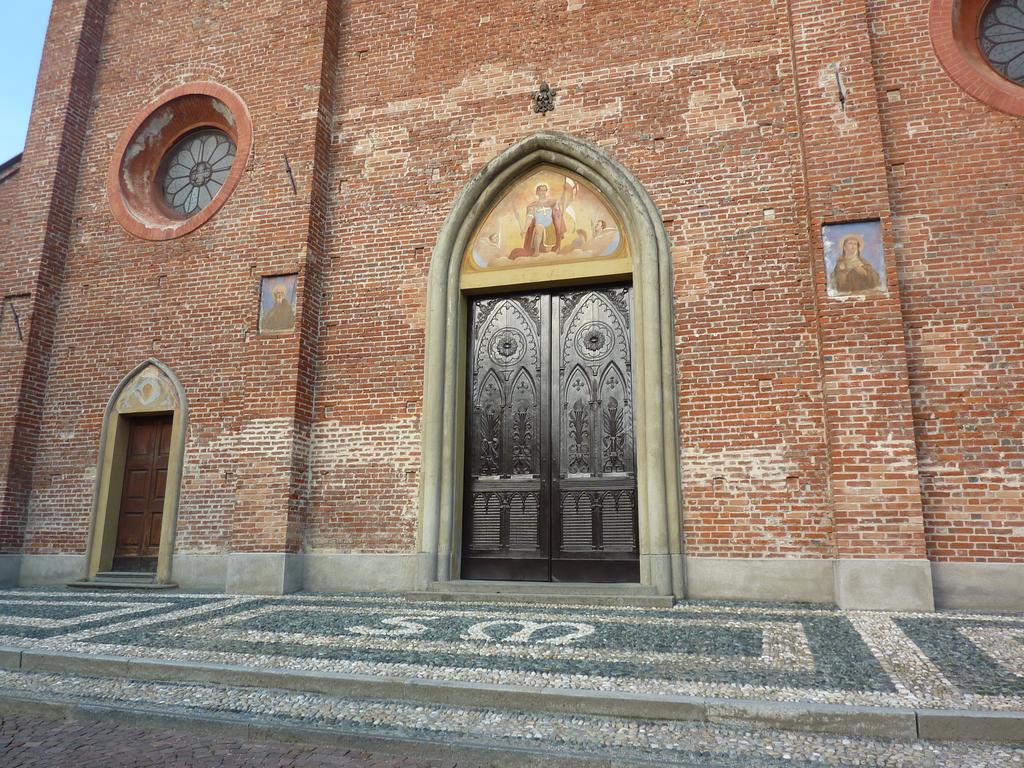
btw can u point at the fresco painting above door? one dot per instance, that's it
(549, 225)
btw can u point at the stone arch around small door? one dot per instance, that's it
(150, 388)
(657, 441)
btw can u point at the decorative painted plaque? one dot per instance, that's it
(550, 224)
(148, 391)
(854, 262)
(277, 304)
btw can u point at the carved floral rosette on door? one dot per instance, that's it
(506, 528)
(596, 473)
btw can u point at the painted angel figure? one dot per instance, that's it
(487, 249)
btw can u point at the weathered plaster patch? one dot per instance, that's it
(343, 453)
(830, 92)
(394, 443)
(505, 81)
(570, 118)
(385, 151)
(149, 133)
(748, 469)
(222, 109)
(414, 296)
(213, 475)
(715, 105)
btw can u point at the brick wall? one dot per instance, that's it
(809, 427)
(955, 178)
(191, 302)
(694, 100)
(33, 259)
(15, 299)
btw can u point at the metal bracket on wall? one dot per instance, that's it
(10, 307)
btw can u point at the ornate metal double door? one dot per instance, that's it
(550, 461)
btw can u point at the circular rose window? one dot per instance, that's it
(195, 170)
(980, 44)
(179, 161)
(1001, 37)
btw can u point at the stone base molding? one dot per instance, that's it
(10, 569)
(723, 578)
(263, 573)
(979, 586)
(50, 570)
(884, 585)
(276, 574)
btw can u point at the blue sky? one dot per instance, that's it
(22, 29)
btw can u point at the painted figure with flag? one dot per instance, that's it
(547, 220)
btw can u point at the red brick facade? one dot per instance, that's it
(881, 427)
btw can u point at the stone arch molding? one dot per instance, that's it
(439, 530)
(151, 387)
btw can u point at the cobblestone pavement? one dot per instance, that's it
(732, 650)
(773, 652)
(34, 742)
(510, 736)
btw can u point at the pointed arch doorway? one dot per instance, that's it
(545, 245)
(138, 477)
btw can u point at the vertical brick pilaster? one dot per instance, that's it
(316, 263)
(874, 473)
(33, 263)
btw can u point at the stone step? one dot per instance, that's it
(125, 584)
(600, 601)
(876, 722)
(540, 593)
(546, 587)
(126, 575)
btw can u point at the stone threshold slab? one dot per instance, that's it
(877, 722)
(544, 598)
(489, 586)
(612, 595)
(468, 751)
(122, 584)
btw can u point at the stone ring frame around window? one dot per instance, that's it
(954, 28)
(136, 190)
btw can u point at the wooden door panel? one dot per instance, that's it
(550, 471)
(595, 517)
(136, 484)
(164, 450)
(152, 546)
(144, 487)
(505, 532)
(129, 533)
(160, 486)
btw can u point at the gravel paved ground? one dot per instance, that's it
(732, 650)
(512, 734)
(34, 742)
(750, 651)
